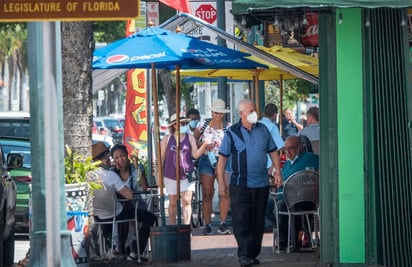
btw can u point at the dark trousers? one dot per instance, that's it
(248, 206)
(145, 217)
(296, 224)
(283, 226)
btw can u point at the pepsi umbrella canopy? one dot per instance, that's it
(166, 49)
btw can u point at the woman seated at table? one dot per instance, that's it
(133, 179)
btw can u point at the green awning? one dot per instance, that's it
(246, 6)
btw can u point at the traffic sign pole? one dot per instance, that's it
(221, 24)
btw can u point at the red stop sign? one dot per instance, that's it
(206, 12)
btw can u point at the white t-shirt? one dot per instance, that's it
(112, 182)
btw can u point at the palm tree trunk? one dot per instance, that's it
(77, 49)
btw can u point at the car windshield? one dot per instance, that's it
(15, 128)
(23, 150)
(112, 123)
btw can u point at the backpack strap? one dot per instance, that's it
(207, 122)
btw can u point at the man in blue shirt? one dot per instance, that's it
(248, 143)
(269, 120)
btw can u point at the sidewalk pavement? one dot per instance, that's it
(221, 250)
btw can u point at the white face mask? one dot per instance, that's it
(252, 117)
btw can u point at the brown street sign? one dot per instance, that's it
(68, 10)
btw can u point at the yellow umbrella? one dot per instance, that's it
(304, 62)
(307, 63)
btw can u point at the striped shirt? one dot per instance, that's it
(249, 150)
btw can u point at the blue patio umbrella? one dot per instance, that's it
(159, 48)
(167, 49)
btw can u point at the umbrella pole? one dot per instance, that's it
(179, 210)
(252, 94)
(257, 92)
(281, 104)
(158, 156)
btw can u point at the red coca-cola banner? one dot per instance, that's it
(311, 33)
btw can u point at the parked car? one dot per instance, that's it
(7, 212)
(21, 174)
(15, 124)
(113, 124)
(119, 116)
(108, 140)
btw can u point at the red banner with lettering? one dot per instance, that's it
(135, 128)
(311, 35)
(181, 5)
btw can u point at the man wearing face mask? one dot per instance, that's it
(297, 160)
(248, 143)
(188, 150)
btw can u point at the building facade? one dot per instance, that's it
(365, 94)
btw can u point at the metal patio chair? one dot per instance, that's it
(300, 187)
(105, 200)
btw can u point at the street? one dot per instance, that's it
(21, 246)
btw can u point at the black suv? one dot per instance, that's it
(7, 213)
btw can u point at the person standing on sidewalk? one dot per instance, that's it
(194, 116)
(248, 143)
(289, 125)
(188, 152)
(212, 129)
(269, 120)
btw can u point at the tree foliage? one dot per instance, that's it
(13, 52)
(108, 31)
(293, 91)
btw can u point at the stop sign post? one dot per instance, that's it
(206, 12)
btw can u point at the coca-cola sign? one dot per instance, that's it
(311, 33)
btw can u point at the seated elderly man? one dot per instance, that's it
(298, 159)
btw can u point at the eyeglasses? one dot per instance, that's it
(290, 148)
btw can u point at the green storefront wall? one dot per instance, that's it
(350, 138)
(245, 6)
(366, 112)
(342, 156)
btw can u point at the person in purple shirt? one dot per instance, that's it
(188, 152)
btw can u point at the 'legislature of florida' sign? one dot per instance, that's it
(35, 10)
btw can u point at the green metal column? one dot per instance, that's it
(328, 168)
(350, 136)
(50, 241)
(221, 24)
